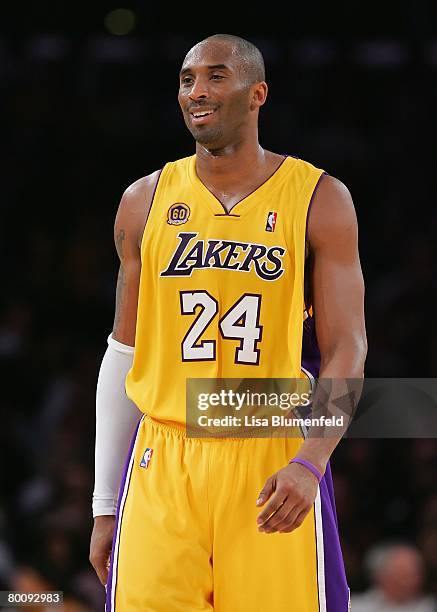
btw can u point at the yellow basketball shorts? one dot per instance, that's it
(186, 536)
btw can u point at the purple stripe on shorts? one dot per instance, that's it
(337, 592)
(108, 605)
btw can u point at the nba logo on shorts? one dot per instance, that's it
(144, 463)
(271, 221)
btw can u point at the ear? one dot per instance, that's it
(258, 95)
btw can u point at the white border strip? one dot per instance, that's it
(320, 550)
(120, 517)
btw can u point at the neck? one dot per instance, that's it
(236, 160)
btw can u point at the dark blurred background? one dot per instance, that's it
(88, 105)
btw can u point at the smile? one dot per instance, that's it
(200, 116)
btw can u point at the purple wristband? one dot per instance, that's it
(309, 466)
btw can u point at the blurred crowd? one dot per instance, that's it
(81, 125)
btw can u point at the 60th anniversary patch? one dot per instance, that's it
(178, 214)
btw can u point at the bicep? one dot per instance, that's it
(337, 280)
(126, 301)
(128, 231)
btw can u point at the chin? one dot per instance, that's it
(208, 138)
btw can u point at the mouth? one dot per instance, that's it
(201, 116)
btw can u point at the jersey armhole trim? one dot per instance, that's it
(307, 306)
(311, 203)
(150, 208)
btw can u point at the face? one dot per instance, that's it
(215, 98)
(403, 577)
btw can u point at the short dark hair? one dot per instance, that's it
(251, 56)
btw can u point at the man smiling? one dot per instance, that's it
(215, 251)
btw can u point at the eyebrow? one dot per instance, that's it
(213, 67)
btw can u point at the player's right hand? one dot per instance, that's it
(101, 544)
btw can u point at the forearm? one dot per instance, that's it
(116, 418)
(340, 380)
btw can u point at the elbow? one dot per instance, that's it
(358, 352)
(346, 357)
(361, 348)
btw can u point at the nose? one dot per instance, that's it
(199, 89)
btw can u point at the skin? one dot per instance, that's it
(401, 578)
(231, 163)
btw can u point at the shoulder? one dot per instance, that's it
(134, 209)
(140, 193)
(332, 212)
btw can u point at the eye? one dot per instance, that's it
(217, 77)
(186, 80)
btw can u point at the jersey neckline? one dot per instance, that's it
(242, 207)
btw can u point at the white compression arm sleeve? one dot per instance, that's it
(116, 418)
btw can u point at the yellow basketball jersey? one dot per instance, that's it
(221, 294)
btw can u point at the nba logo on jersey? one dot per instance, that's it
(144, 463)
(271, 221)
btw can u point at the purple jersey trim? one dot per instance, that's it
(108, 605)
(151, 203)
(307, 284)
(310, 347)
(311, 202)
(153, 195)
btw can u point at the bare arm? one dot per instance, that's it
(338, 297)
(337, 281)
(128, 231)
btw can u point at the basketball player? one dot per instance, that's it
(211, 284)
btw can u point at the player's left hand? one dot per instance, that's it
(294, 490)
